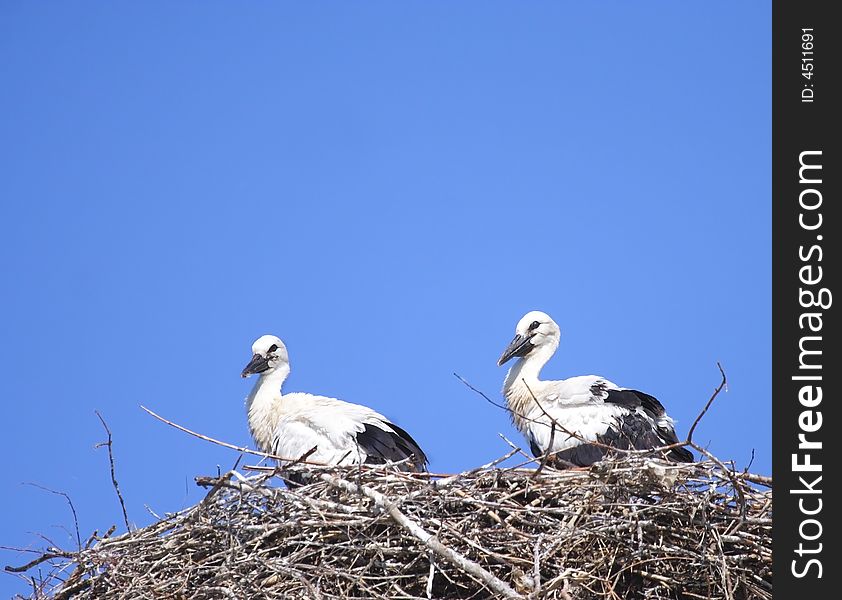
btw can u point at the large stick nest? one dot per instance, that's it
(628, 528)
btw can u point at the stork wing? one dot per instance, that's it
(661, 424)
(597, 410)
(344, 432)
(390, 443)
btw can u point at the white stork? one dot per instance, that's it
(589, 406)
(290, 425)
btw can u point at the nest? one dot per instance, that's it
(628, 528)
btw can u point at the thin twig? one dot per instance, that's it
(72, 509)
(113, 475)
(718, 389)
(489, 400)
(242, 449)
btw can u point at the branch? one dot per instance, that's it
(113, 476)
(231, 446)
(489, 400)
(755, 478)
(429, 540)
(72, 509)
(44, 557)
(707, 406)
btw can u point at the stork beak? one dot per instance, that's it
(257, 364)
(520, 346)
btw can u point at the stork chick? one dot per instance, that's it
(591, 407)
(342, 433)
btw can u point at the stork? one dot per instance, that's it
(562, 417)
(291, 425)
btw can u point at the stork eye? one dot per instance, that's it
(534, 325)
(273, 347)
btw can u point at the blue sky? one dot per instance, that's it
(388, 187)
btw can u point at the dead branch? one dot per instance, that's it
(718, 389)
(242, 449)
(69, 502)
(43, 558)
(114, 483)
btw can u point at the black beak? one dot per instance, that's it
(520, 346)
(257, 364)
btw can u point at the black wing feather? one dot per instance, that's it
(397, 445)
(632, 400)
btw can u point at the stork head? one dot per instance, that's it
(269, 353)
(534, 332)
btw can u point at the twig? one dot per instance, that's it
(44, 557)
(16, 549)
(518, 450)
(113, 476)
(303, 457)
(216, 483)
(72, 509)
(243, 449)
(489, 400)
(718, 389)
(755, 478)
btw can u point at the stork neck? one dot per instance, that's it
(267, 386)
(528, 368)
(275, 378)
(522, 384)
(261, 407)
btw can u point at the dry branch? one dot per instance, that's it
(108, 443)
